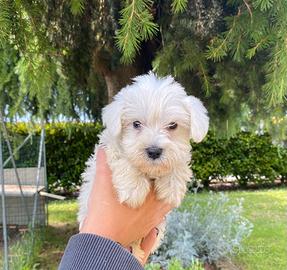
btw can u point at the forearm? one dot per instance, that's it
(89, 251)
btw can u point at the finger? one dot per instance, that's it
(165, 208)
(148, 242)
(102, 165)
(102, 185)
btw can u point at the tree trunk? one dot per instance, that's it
(119, 75)
(112, 85)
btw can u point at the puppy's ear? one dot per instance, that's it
(199, 120)
(111, 116)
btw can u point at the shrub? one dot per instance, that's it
(67, 149)
(210, 230)
(208, 159)
(247, 156)
(68, 146)
(281, 165)
(252, 158)
(175, 265)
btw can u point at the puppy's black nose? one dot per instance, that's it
(153, 152)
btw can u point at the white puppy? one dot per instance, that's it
(149, 125)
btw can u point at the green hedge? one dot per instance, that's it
(67, 150)
(246, 156)
(68, 147)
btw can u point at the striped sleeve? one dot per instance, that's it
(89, 251)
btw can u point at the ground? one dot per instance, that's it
(265, 249)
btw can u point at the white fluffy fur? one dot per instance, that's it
(155, 102)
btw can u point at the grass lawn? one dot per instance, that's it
(267, 246)
(265, 249)
(62, 225)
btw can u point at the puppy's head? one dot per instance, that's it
(153, 120)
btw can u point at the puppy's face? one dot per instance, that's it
(153, 120)
(155, 133)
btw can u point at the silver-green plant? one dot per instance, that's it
(175, 264)
(210, 230)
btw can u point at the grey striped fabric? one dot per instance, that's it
(89, 251)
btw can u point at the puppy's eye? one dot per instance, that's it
(172, 125)
(137, 124)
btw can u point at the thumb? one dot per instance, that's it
(148, 243)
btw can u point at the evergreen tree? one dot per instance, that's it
(69, 57)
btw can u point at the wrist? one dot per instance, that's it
(101, 230)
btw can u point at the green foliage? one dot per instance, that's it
(281, 165)
(77, 6)
(27, 156)
(9, 87)
(256, 28)
(211, 229)
(264, 249)
(252, 158)
(5, 22)
(263, 5)
(24, 254)
(186, 57)
(233, 58)
(136, 26)
(193, 43)
(248, 157)
(175, 264)
(209, 159)
(31, 62)
(64, 62)
(68, 147)
(179, 5)
(36, 76)
(276, 70)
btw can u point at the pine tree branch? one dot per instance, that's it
(248, 8)
(206, 82)
(77, 6)
(252, 51)
(217, 52)
(136, 26)
(276, 79)
(5, 22)
(178, 6)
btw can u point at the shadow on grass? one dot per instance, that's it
(55, 240)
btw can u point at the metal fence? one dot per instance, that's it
(22, 179)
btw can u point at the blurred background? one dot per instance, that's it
(64, 60)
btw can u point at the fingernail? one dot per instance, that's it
(157, 231)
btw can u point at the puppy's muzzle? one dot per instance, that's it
(153, 152)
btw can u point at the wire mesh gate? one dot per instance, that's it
(22, 178)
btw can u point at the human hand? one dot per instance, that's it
(108, 218)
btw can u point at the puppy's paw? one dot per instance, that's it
(170, 190)
(134, 196)
(131, 186)
(137, 251)
(173, 199)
